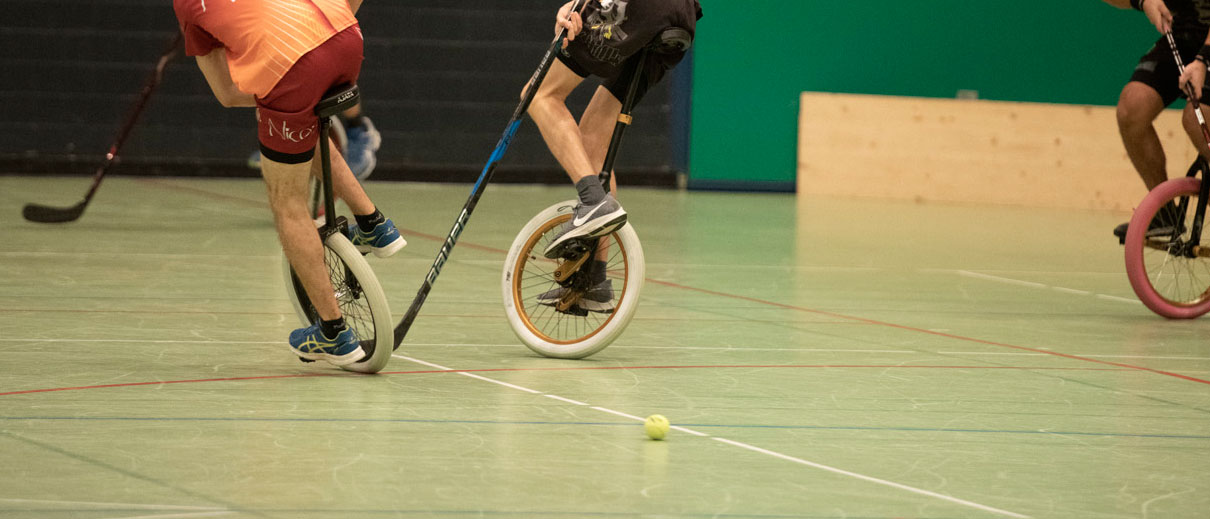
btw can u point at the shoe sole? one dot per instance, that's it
(384, 252)
(338, 360)
(613, 221)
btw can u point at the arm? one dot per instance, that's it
(214, 67)
(1194, 76)
(1120, 4)
(1156, 11)
(354, 5)
(570, 20)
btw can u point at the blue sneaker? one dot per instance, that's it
(310, 344)
(383, 241)
(363, 145)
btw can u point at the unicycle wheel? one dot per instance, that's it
(1170, 275)
(360, 297)
(572, 323)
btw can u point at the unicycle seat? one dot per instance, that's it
(337, 100)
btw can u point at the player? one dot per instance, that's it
(603, 40)
(1154, 86)
(281, 56)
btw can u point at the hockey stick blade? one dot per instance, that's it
(47, 214)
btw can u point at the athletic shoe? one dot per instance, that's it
(1163, 224)
(310, 344)
(598, 299)
(588, 222)
(254, 160)
(363, 145)
(383, 241)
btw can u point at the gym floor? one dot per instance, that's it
(821, 358)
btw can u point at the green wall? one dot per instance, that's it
(754, 57)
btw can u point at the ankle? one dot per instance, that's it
(331, 329)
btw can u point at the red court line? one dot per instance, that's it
(810, 310)
(929, 332)
(589, 368)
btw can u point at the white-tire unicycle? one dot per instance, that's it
(358, 293)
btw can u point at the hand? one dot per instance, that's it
(1157, 11)
(1193, 78)
(570, 20)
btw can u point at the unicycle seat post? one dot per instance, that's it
(335, 101)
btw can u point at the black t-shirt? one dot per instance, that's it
(1190, 18)
(617, 29)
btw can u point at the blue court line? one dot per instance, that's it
(617, 424)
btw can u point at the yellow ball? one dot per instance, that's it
(656, 426)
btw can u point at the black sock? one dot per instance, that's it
(590, 189)
(367, 222)
(332, 328)
(352, 122)
(596, 272)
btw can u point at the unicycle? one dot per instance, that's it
(1168, 267)
(358, 293)
(550, 303)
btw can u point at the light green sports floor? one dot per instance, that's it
(824, 358)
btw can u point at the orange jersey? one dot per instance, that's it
(263, 38)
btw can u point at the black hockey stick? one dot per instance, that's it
(48, 214)
(401, 330)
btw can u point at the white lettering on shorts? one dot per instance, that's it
(288, 134)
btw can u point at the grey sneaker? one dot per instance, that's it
(598, 299)
(588, 222)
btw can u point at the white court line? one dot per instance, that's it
(1031, 284)
(568, 400)
(152, 341)
(755, 449)
(619, 413)
(873, 479)
(127, 506)
(467, 374)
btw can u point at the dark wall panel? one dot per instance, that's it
(440, 80)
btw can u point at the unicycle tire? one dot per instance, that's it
(527, 274)
(360, 297)
(1168, 279)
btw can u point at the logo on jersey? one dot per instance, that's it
(605, 31)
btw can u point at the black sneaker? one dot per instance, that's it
(597, 299)
(588, 222)
(1163, 224)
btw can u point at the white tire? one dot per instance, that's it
(527, 274)
(361, 300)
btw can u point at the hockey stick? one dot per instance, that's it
(401, 330)
(48, 214)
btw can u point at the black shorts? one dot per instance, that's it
(615, 34)
(1157, 69)
(658, 64)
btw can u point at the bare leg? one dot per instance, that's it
(558, 127)
(1138, 106)
(1195, 131)
(345, 185)
(287, 185)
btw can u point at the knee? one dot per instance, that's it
(1130, 116)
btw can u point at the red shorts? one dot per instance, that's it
(286, 123)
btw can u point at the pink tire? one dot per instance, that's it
(1172, 285)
